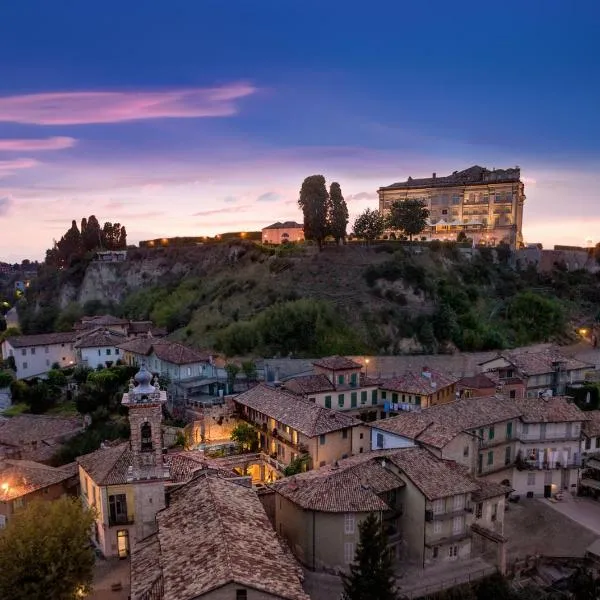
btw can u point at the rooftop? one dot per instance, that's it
(214, 532)
(543, 362)
(309, 384)
(101, 320)
(423, 382)
(556, 409)
(172, 352)
(474, 175)
(42, 339)
(591, 427)
(285, 225)
(25, 429)
(336, 363)
(476, 382)
(99, 338)
(301, 415)
(21, 477)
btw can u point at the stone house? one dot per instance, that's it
(99, 347)
(289, 427)
(280, 233)
(426, 505)
(590, 433)
(34, 355)
(476, 386)
(23, 481)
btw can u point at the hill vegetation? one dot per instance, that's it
(244, 298)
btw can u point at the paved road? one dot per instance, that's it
(584, 511)
(107, 572)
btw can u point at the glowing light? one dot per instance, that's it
(4, 487)
(583, 331)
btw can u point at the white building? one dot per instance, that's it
(34, 355)
(590, 438)
(99, 347)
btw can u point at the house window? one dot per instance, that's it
(435, 551)
(509, 430)
(322, 440)
(363, 397)
(24, 365)
(24, 352)
(383, 395)
(525, 428)
(374, 397)
(437, 527)
(108, 352)
(453, 551)
(466, 451)
(490, 458)
(348, 552)
(47, 362)
(494, 512)
(394, 397)
(241, 595)
(99, 352)
(117, 509)
(438, 506)
(340, 380)
(349, 523)
(46, 349)
(353, 399)
(588, 443)
(530, 478)
(32, 351)
(146, 438)
(116, 351)
(327, 401)
(344, 434)
(507, 455)
(189, 371)
(598, 442)
(458, 502)
(341, 400)
(491, 433)
(512, 394)
(479, 510)
(17, 503)
(458, 524)
(418, 400)
(353, 380)
(380, 440)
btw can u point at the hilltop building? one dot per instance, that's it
(280, 233)
(486, 205)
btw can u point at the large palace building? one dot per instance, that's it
(486, 205)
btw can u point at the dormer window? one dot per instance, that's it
(146, 438)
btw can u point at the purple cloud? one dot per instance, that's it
(269, 197)
(7, 167)
(5, 204)
(80, 108)
(52, 143)
(220, 211)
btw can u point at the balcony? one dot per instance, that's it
(437, 539)
(451, 513)
(539, 437)
(534, 465)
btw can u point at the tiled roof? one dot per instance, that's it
(477, 382)
(309, 384)
(301, 415)
(100, 338)
(352, 485)
(438, 425)
(145, 567)
(102, 320)
(213, 533)
(418, 383)
(110, 465)
(24, 477)
(591, 427)
(474, 175)
(337, 363)
(42, 339)
(556, 409)
(542, 362)
(141, 327)
(172, 352)
(285, 225)
(25, 429)
(489, 489)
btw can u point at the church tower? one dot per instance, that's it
(147, 471)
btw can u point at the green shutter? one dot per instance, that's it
(395, 398)
(363, 397)
(353, 379)
(340, 380)
(374, 397)
(490, 458)
(509, 430)
(341, 400)
(491, 433)
(353, 399)
(383, 395)
(327, 401)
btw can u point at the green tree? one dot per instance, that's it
(314, 202)
(245, 435)
(338, 213)
(584, 586)
(535, 317)
(6, 379)
(92, 237)
(371, 574)
(56, 378)
(232, 371)
(408, 216)
(45, 552)
(369, 225)
(249, 371)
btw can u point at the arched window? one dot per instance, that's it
(146, 443)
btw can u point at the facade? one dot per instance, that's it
(485, 205)
(214, 542)
(426, 505)
(24, 481)
(338, 383)
(590, 438)
(34, 355)
(280, 233)
(289, 427)
(99, 347)
(530, 444)
(547, 372)
(416, 390)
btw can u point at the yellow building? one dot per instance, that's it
(486, 205)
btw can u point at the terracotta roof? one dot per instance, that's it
(285, 225)
(541, 363)
(208, 537)
(145, 568)
(337, 363)
(141, 327)
(42, 339)
(476, 382)
(301, 415)
(309, 384)
(166, 350)
(438, 425)
(100, 338)
(489, 489)
(110, 465)
(25, 429)
(556, 409)
(591, 427)
(352, 485)
(102, 320)
(417, 383)
(24, 477)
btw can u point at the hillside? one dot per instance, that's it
(243, 298)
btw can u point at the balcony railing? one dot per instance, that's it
(450, 514)
(114, 520)
(538, 437)
(549, 465)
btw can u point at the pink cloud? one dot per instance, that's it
(7, 167)
(52, 143)
(77, 108)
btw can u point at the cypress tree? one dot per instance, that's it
(314, 202)
(338, 212)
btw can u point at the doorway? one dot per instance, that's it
(547, 491)
(123, 543)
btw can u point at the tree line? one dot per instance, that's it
(77, 241)
(326, 215)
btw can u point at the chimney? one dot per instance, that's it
(433, 176)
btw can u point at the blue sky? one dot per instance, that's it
(191, 117)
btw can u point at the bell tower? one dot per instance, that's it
(147, 471)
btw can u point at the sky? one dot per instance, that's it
(194, 117)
